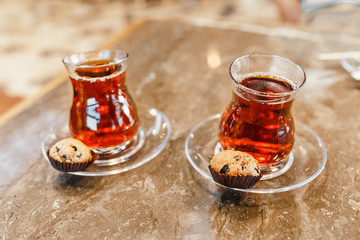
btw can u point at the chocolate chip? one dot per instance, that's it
(64, 156)
(79, 155)
(57, 149)
(243, 167)
(237, 158)
(225, 169)
(75, 148)
(257, 170)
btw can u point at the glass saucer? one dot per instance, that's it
(309, 155)
(154, 128)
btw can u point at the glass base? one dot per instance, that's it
(270, 171)
(275, 170)
(121, 153)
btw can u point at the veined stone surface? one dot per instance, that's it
(166, 198)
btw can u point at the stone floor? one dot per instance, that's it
(37, 34)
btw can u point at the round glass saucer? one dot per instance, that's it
(309, 155)
(154, 129)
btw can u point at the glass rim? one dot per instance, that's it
(263, 94)
(69, 63)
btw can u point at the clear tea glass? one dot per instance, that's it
(103, 114)
(258, 119)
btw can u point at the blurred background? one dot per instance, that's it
(36, 34)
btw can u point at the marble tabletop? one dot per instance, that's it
(181, 68)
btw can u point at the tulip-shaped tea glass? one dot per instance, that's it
(103, 114)
(258, 119)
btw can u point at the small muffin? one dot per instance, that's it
(70, 155)
(235, 169)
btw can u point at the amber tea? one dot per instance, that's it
(264, 129)
(103, 114)
(258, 119)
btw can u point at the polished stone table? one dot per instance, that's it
(170, 69)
